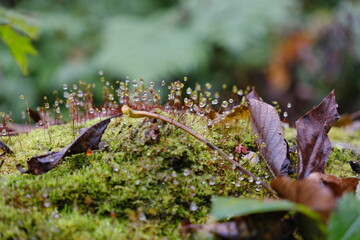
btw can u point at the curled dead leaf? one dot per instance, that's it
(89, 139)
(267, 127)
(311, 192)
(313, 142)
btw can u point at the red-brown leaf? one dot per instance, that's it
(310, 192)
(270, 137)
(313, 142)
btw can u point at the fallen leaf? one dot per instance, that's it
(267, 127)
(355, 166)
(339, 186)
(313, 142)
(89, 139)
(5, 148)
(310, 192)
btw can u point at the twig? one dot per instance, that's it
(140, 114)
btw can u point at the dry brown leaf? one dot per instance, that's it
(267, 127)
(310, 192)
(313, 142)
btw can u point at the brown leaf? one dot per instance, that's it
(5, 148)
(313, 142)
(89, 139)
(339, 185)
(270, 137)
(310, 192)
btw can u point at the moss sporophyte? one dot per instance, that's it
(147, 176)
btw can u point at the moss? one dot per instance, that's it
(141, 185)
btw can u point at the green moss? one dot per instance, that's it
(142, 184)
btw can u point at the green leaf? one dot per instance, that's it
(18, 22)
(19, 46)
(224, 207)
(151, 48)
(345, 221)
(309, 222)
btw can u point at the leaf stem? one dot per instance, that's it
(140, 114)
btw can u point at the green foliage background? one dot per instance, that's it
(222, 42)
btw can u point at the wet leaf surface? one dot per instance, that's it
(88, 140)
(270, 137)
(313, 142)
(310, 192)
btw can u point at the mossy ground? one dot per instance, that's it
(141, 185)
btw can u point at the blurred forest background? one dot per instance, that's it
(291, 51)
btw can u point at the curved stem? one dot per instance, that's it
(139, 114)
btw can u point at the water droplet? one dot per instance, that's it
(188, 91)
(22, 97)
(193, 206)
(214, 102)
(285, 114)
(289, 105)
(224, 104)
(137, 182)
(116, 169)
(186, 172)
(241, 178)
(65, 86)
(212, 181)
(101, 73)
(185, 79)
(66, 94)
(237, 184)
(28, 196)
(91, 111)
(227, 125)
(47, 204)
(4, 133)
(251, 179)
(240, 92)
(258, 182)
(152, 84)
(231, 100)
(103, 110)
(142, 217)
(208, 85)
(231, 156)
(47, 105)
(134, 83)
(163, 83)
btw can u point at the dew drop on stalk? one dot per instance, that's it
(163, 83)
(91, 111)
(185, 79)
(237, 184)
(224, 104)
(231, 100)
(258, 182)
(289, 105)
(186, 172)
(227, 125)
(47, 204)
(188, 91)
(4, 133)
(66, 94)
(251, 179)
(101, 73)
(285, 114)
(240, 92)
(214, 102)
(22, 97)
(65, 86)
(152, 84)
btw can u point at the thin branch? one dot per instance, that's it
(140, 114)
